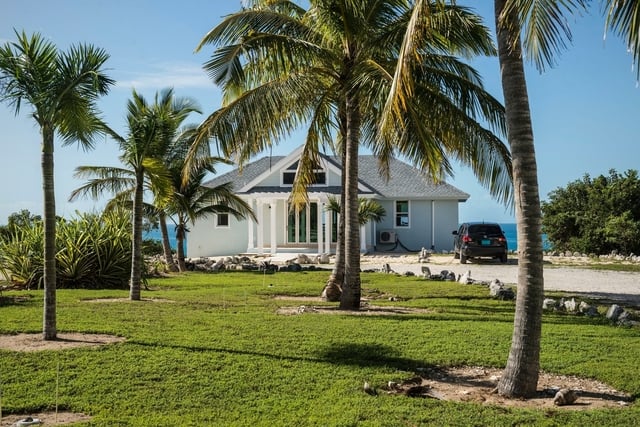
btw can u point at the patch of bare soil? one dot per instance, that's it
(369, 310)
(47, 418)
(477, 385)
(34, 342)
(366, 309)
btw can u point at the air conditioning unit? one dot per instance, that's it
(387, 237)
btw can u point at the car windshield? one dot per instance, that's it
(485, 229)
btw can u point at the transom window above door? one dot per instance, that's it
(289, 175)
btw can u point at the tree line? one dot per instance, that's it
(595, 215)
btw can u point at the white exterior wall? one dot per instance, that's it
(205, 239)
(446, 222)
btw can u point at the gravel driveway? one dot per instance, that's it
(609, 285)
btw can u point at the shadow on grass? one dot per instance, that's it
(364, 355)
(368, 355)
(6, 300)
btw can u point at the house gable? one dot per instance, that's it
(278, 176)
(265, 175)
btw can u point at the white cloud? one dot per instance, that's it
(167, 75)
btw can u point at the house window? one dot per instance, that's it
(402, 213)
(302, 225)
(289, 175)
(222, 220)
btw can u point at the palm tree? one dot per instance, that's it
(62, 89)
(543, 28)
(151, 128)
(368, 210)
(191, 200)
(330, 69)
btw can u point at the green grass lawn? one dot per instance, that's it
(213, 351)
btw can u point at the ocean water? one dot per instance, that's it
(510, 233)
(156, 235)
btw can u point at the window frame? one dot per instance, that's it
(306, 236)
(319, 172)
(398, 214)
(222, 215)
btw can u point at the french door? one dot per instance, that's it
(302, 225)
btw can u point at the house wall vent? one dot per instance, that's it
(387, 237)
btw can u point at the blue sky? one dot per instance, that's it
(585, 110)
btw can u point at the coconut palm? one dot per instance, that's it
(62, 89)
(368, 209)
(192, 200)
(151, 128)
(330, 68)
(543, 28)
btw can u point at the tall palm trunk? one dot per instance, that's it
(333, 287)
(339, 266)
(166, 246)
(180, 234)
(49, 329)
(136, 247)
(350, 299)
(520, 377)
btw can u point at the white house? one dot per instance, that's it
(420, 213)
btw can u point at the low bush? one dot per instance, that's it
(93, 251)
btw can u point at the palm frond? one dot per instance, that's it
(623, 17)
(101, 180)
(545, 27)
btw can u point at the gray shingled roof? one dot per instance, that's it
(405, 182)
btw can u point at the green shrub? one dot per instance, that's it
(595, 215)
(93, 251)
(152, 247)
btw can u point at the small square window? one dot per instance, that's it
(222, 220)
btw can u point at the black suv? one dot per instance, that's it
(479, 239)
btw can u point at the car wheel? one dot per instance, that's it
(463, 259)
(503, 258)
(456, 255)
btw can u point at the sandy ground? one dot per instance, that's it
(616, 286)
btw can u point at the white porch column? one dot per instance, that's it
(363, 239)
(273, 204)
(320, 216)
(327, 231)
(260, 215)
(251, 243)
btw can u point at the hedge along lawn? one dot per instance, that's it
(210, 349)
